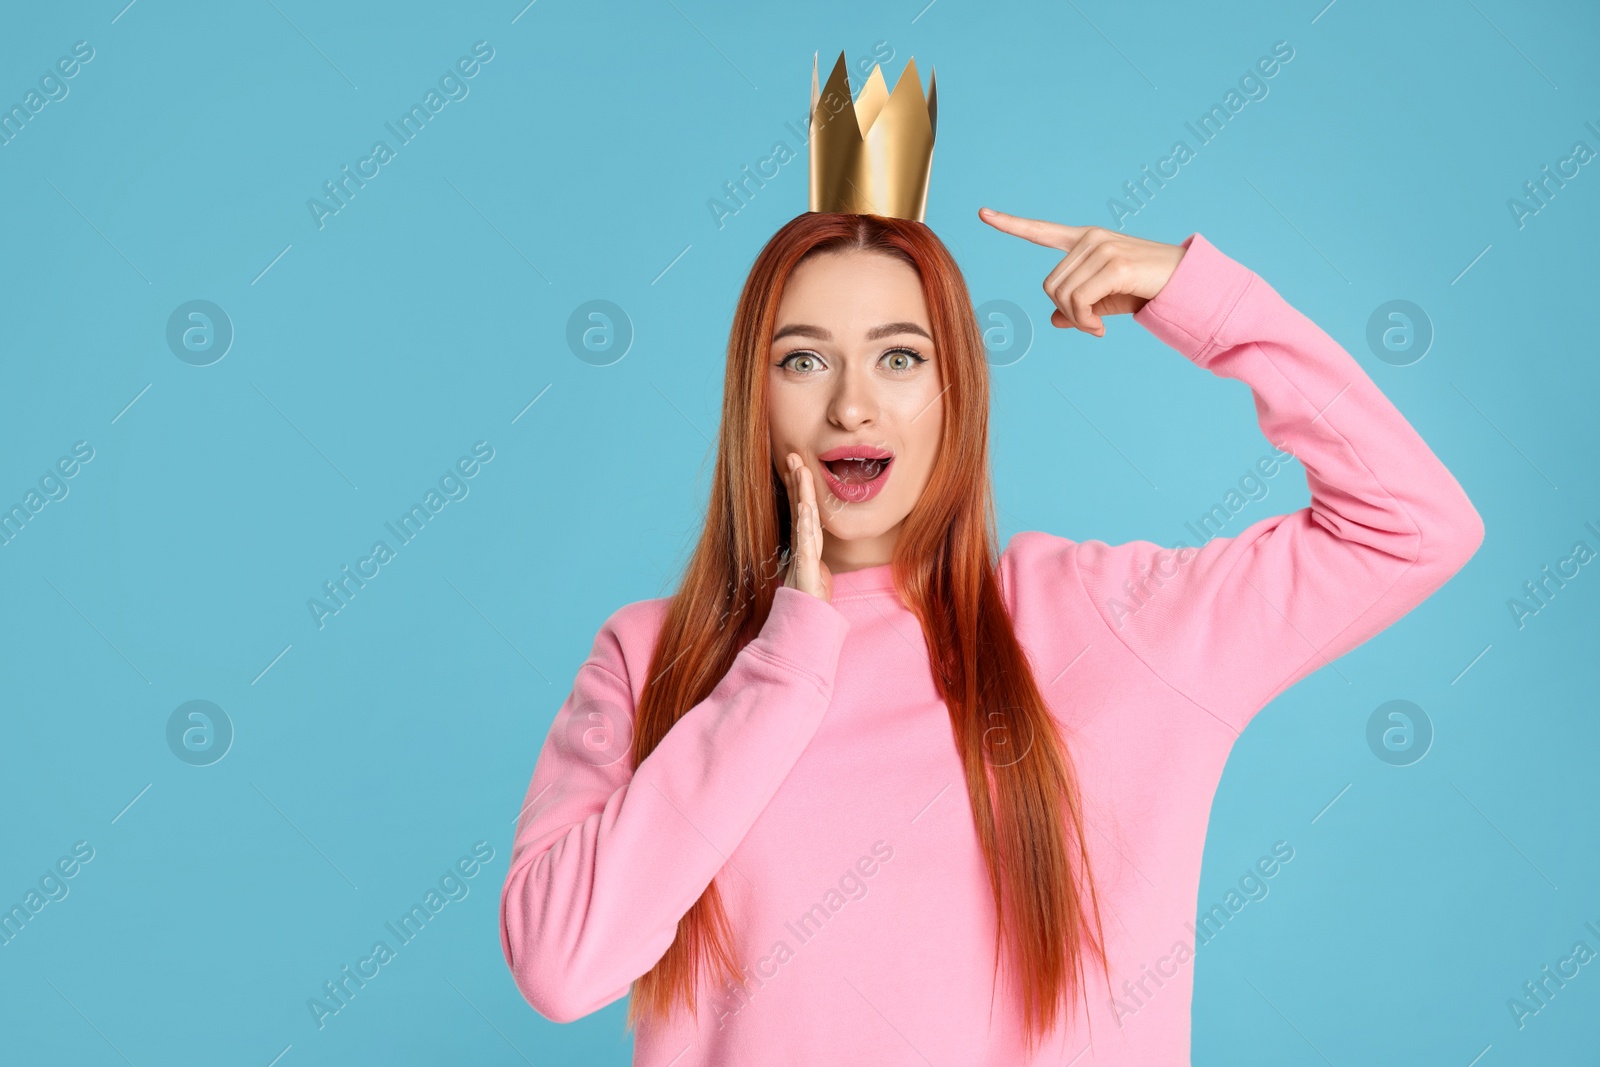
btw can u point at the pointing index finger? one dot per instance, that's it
(1040, 232)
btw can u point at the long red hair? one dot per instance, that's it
(1025, 803)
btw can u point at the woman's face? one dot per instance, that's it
(852, 364)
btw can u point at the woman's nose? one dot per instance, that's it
(853, 404)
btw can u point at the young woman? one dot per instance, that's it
(864, 791)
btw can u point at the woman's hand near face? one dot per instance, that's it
(1102, 273)
(806, 571)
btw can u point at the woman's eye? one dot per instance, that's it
(791, 360)
(909, 358)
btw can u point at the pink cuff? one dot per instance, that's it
(1192, 308)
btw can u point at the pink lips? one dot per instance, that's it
(854, 490)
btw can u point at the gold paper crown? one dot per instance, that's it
(872, 156)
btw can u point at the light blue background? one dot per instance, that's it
(427, 314)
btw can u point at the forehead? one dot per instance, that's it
(849, 289)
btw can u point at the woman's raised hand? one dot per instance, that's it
(806, 571)
(1102, 273)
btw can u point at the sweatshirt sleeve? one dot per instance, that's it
(607, 859)
(1232, 624)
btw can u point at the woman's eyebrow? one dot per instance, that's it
(888, 329)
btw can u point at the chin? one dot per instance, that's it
(854, 524)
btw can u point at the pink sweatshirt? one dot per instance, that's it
(821, 781)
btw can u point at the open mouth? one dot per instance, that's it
(855, 474)
(857, 471)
